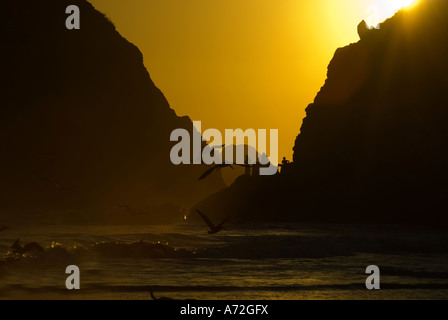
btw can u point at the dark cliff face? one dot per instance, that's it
(374, 144)
(83, 127)
(378, 129)
(383, 94)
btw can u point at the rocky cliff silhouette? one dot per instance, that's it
(83, 129)
(374, 144)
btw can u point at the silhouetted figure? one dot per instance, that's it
(284, 165)
(213, 228)
(29, 247)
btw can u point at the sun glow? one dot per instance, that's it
(391, 6)
(395, 5)
(381, 10)
(271, 48)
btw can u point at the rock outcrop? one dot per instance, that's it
(83, 128)
(374, 144)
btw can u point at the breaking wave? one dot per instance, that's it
(241, 247)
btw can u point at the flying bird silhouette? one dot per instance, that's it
(51, 181)
(212, 149)
(213, 169)
(220, 166)
(3, 227)
(213, 228)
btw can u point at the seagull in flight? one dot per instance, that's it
(213, 228)
(213, 169)
(220, 166)
(49, 180)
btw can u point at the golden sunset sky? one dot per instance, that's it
(242, 63)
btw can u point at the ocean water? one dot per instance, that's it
(243, 262)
